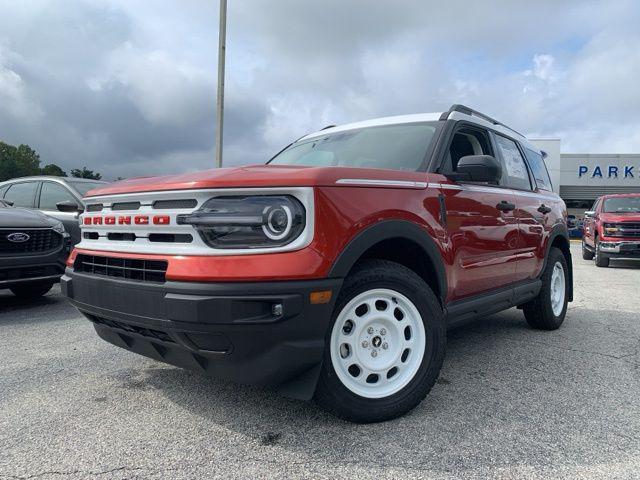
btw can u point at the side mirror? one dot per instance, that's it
(589, 214)
(8, 202)
(69, 206)
(479, 168)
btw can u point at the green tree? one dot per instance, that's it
(20, 161)
(53, 169)
(85, 173)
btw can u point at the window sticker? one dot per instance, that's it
(512, 159)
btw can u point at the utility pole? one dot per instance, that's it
(222, 40)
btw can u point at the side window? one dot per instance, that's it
(514, 170)
(467, 141)
(596, 204)
(22, 194)
(539, 169)
(51, 194)
(3, 190)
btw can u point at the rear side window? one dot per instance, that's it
(22, 194)
(514, 170)
(539, 169)
(52, 193)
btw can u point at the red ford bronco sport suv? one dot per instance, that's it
(334, 270)
(612, 229)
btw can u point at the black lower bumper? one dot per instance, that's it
(32, 268)
(265, 333)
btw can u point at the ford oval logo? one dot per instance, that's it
(18, 237)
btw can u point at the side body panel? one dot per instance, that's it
(534, 229)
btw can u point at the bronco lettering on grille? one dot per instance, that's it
(127, 220)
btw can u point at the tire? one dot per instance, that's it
(398, 301)
(602, 260)
(30, 290)
(586, 253)
(547, 311)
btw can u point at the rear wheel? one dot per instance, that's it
(602, 260)
(586, 253)
(31, 289)
(386, 345)
(548, 309)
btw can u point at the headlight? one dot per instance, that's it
(248, 221)
(59, 227)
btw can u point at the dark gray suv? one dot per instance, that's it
(58, 197)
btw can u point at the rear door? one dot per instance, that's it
(482, 226)
(534, 221)
(22, 194)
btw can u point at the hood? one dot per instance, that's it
(253, 176)
(23, 218)
(619, 217)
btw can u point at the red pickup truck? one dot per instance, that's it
(612, 229)
(333, 271)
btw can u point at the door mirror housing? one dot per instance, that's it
(478, 168)
(69, 206)
(590, 214)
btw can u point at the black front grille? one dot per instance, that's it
(627, 230)
(127, 268)
(39, 241)
(126, 206)
(173, 204)
(25, 273)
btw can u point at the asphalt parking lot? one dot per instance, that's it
(511, 403)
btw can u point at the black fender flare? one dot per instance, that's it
(387, 230)
(560, 230)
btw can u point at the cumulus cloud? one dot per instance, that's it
(128, 88)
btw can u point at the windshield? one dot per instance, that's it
(84, 187)
(395, 147)
(622, 205)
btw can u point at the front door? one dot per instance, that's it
(481, 223)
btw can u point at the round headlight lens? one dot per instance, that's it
(278, 221)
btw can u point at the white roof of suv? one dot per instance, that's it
(456, 112)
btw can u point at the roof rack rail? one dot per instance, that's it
(456, 107)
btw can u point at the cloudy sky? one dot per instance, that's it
(127, 87)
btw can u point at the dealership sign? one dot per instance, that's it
(608, 171)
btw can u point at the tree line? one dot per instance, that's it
(24, 161)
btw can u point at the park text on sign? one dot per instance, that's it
(608, 171)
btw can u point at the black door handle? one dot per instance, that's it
(544, 209)
(505, 206)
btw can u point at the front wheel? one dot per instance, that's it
(586, 253)
(548, 309)
(386, 345)
(602, 260)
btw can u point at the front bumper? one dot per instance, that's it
(33, 268)
(260, 333)
(620, 248)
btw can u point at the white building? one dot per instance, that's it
(580, 178)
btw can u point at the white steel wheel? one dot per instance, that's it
(558, 289)
(377, 343)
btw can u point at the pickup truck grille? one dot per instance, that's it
(125, 268)
(627, 230)
(41, 240)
